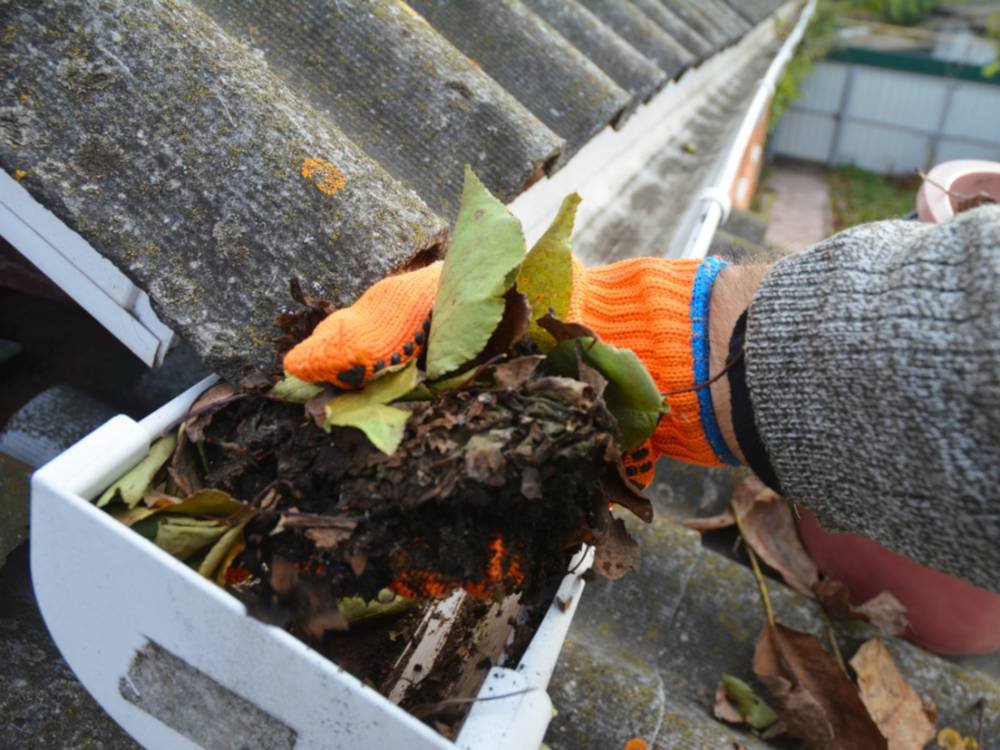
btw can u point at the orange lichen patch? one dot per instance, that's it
(324, 176)
(20, 174)
(637, 743)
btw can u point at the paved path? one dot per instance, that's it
(798, 202)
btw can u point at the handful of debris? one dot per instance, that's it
(482, 465)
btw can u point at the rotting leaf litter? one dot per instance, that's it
(482, 467)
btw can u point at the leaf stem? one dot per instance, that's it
(764, 596)
(832, 636)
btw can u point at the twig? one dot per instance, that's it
(832, 636)
(981, 195)
(982, 710)
(764, 597)
(429, 709)
(205, 410)
(698, 386)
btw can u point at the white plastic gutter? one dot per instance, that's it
(716, 197)
(84, 274)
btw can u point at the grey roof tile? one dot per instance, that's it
(674, 25)
(552, 78)
(629, 68)
(696, 18)
(186, 140)
(754, 10)
(644, 34)
(718, 12)
(399, 90)
(180, 157)
(688, 617)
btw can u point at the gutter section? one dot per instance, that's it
(83, 273)
(715, 200)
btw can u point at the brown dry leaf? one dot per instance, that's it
(884, 611)
(315, 626)
(296, 326)
(484, 460)
(328, 538)
(593, 378)
(616, 552)
(195, 426)
(892, 703)
(815, 699)
(513, 326)
(562, 330)
(183, 468)
(711, 523)
(770, 529)
(516, 372)
(618, 490)
(723, 709)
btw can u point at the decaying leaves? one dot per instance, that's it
(216, 396)
(131, 487)
(616, 551)
(893, 705)
(884, 611)
(770, 529)
(813, 696)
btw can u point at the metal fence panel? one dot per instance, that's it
(825, 88)
(953, 148)
(888, 120)
(805, 135)
(974, 112)
(881, 148)
(892, 97)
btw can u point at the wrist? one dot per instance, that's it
(731, 296)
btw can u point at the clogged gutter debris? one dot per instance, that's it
(481, 467)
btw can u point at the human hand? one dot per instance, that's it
(656, 307)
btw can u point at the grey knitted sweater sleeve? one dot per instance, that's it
(873, 362)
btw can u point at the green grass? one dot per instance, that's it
(859, 196)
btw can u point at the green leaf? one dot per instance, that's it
(295, 390)
(356, 609)
(201, 503)
(751, 707)
(631, 395)
(546, 276)
(218, 558)
(367, 410)
(182, 536)
(206, 503)
(486, 248)
(131, 487)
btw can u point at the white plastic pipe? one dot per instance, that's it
(716, 196)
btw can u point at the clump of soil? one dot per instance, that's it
(492, 489)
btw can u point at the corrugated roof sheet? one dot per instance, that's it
(399, 90)
(642, 32)
(628, 67)
(212, 149)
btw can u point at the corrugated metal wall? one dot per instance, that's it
(889, 121)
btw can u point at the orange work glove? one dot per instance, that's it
(658, 308)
